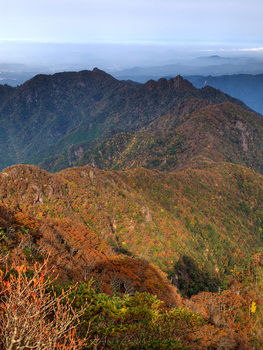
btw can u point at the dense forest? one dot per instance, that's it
(145, 233)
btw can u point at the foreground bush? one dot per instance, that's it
(32, 317)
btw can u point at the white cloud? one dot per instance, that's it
(254, 49)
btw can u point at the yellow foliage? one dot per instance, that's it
(253, 307)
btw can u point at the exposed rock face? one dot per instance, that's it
(91, 175)
(182, 85)
(147, 214)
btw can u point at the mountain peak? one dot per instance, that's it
(178, 84)
(96, 70)
(181, 84)
(101, 72)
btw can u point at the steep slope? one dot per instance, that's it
(246, 87)
(44, 109)
(192, 134)
(5, 92)
(49, 114)
(212, 215)
(5, 158)
(66, 243)
(76, 252)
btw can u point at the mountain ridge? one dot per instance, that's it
(78, 193)
(51, 113)
(215, 132)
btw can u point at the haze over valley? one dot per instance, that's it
(20, 61)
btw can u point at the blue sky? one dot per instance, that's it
(143, 21)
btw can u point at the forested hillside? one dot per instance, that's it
(197, 226)
(156, 213)
(75, 112)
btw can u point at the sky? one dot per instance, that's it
(157, 26)
(132, 21)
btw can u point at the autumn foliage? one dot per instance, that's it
(31, 316)
(133, 233)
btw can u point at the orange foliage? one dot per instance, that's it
(228, 317)
(128, 275)
(31, 317)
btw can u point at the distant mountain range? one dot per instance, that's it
(209, 65)
(246, 87)
(16, 74)
(144, 63)
(222, 73)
